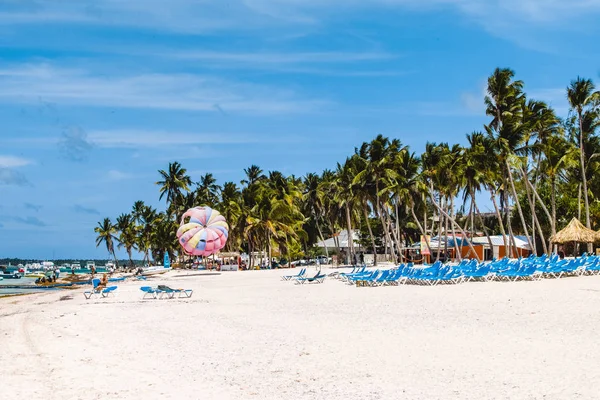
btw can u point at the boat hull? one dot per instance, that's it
(155, 271)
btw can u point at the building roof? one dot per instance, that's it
(342, 238)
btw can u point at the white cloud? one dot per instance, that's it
(12, 161)
(116, 175)
(209, 15)
(159, 139)
(79, 87)
(282, 58)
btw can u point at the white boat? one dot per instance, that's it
(156, 270)
(90, 264)
(76, 266)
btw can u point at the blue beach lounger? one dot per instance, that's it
(104, 292)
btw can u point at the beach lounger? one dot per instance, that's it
(170, 292)
(149, 291)
(103, 292)
(96, 290)
(319, 278)
(290, 277)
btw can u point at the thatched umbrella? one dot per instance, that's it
(575, 232)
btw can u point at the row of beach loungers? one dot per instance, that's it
(300, 278)
(159, 292)
(531, 268)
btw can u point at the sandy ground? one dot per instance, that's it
(248, 335)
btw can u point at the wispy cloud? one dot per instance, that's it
(74, 144)
(9, 176)
(116, 175)
(85, 210)
(207, 15)
(190, 92)
(33, 221)
(13, 161)
(159, 139)
(262, 58)
(33, 207)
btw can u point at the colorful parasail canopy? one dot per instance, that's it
(205, 232)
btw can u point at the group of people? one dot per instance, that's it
(49, 276)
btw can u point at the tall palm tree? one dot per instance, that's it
(106, 233)
(253, 175)
(559, 155)
(127, 229)
(504, 103)
(231, 208)
(581, 93)
(174, 182)
(313, 199)
(207, 190)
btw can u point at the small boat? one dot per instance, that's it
(10, 275)
(35, 275)
(156, 270)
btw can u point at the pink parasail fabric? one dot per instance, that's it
(205, 232)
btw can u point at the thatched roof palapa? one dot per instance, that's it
(575, 232)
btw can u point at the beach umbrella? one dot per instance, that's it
(203, 231)
(575, 232)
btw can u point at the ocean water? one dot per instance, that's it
(5, 288)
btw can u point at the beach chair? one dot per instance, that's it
(149, 291)
(170, 292)
(298, 275)
(96, 291)
(318, 278)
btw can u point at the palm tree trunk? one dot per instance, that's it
(456, 224)
(500, 222)
(322, 240)
(423, 232)
(553, 205)
(535, 223)
(366, 215)
(386, 232)
(269, 250)
(454, 232)
(441, 224)
(584, 179)
(446, 227)
(129, 254)
(350, 236)
(518, 203)
(485, 230)
(395, 247)
(115, 257)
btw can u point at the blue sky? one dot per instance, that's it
(96, 96)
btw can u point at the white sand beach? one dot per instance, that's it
(248, 335)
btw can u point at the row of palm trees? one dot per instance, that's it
(537, 169)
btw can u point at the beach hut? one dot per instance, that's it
(575, 232)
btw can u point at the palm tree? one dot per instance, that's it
(313, 200)
(581, 93)
(559, 155)
(504, 103)
(253, 175)
(106, 233)
(174, 182)
(127, 234)
(231, 208)
(207, 190)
